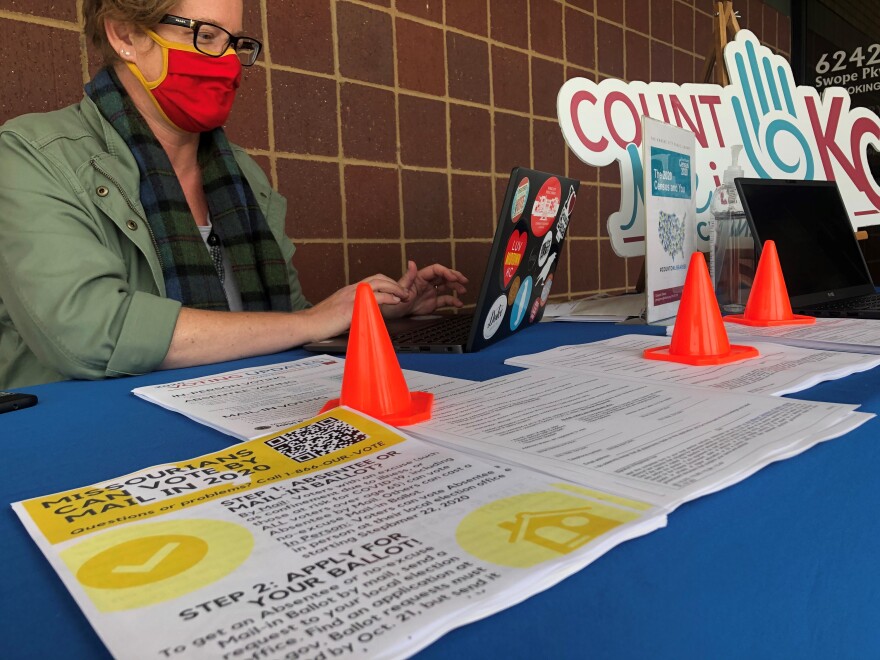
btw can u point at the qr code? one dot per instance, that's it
(316, 440)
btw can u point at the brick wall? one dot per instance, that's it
(391, 125)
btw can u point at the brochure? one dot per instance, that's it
(670, 214)
(338, 538)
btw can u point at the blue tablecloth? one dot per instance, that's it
(783, 565)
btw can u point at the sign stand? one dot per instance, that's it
(724, 26)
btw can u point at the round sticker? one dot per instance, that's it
(545, 292)
(519, 200)
(545, 249)
(511, 295)
(521, 304)
(535, 309)
(495, 317)
(546, 206)
(513, 255)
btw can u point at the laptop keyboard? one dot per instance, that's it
(853, 304)
(451, 330)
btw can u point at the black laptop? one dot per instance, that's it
(825, 272)
(532, 225)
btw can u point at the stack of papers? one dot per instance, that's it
(606, 308)
(778, 370)
(249, 403)
(341, 537)
(854, 335)
(657, 442)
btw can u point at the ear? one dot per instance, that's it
(127, 40)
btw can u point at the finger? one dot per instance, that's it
(384, 298)
(409, 277)
(756, 75)
(771, 83)
(449, 301)
(377, 278)
(747, 83)
(444, 284)
(383, 281)
(383, 284)
(435, 271)
(786, 82)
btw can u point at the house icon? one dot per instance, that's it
(562, 531)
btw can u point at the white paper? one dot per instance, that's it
(252, 402)
(371, 549)
(778, 370)
(851, 335)
(662, 443)
(606, 308)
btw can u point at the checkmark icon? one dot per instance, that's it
(151, 563)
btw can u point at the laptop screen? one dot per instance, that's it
(808, 221)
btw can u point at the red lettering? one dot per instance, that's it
(576, 100)
(855, 168)
(680, 113)
(644, 103)
(712, 101)
(610, 100)
(663, 108)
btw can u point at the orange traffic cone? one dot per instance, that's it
(699, 337)
(372, 381)
(768, 300)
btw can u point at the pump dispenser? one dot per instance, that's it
(732, 252)
(734, 170)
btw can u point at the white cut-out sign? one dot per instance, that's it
(787, 132)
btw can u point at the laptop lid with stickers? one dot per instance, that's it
(532, 225)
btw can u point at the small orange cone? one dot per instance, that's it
(768, 300)
(699, 337)
(372, 381)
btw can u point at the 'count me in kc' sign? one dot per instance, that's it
(787, 132)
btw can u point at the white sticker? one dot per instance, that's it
(495, 317)
(545, 248)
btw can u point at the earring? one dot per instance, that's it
(124, 52)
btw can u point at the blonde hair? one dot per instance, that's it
(144, 14)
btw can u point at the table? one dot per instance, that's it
(784, 565)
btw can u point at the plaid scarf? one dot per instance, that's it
(189, 272)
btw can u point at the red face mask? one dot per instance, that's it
(195, 91)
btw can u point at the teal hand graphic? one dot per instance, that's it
(766, 98)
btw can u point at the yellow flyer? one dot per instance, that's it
(339, 537)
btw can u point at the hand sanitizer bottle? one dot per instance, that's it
(732, 251)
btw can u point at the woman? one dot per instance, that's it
(135, 237)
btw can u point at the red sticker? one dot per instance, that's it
(519, 200)
(513, 255)
(546, 206)
(535, 309)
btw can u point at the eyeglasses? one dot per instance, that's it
(214, 41)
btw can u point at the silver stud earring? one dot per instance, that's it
(124, 52)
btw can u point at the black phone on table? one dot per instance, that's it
(10, 401)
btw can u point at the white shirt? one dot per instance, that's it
(230, 286)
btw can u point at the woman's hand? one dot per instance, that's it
(426, 290)
(332, 316)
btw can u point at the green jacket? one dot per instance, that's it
(81, 288)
